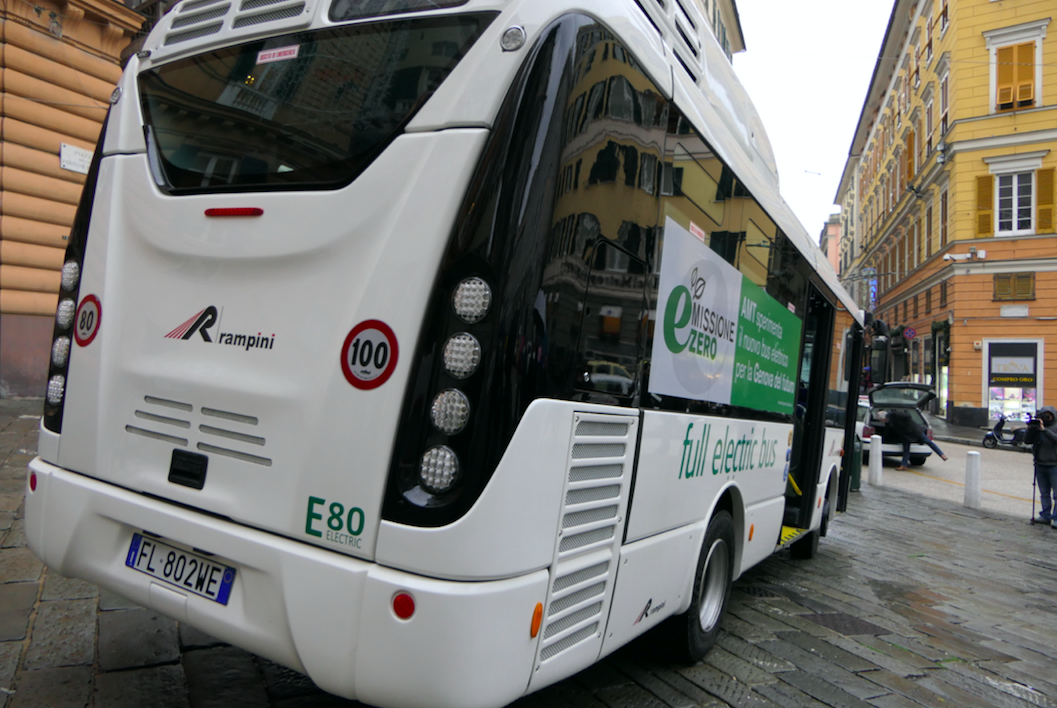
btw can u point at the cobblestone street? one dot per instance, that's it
(911, 602)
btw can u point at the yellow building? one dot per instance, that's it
(948, 198)
(58, 67)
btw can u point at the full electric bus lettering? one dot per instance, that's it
(575, 338)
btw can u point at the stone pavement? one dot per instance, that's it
(910, 602)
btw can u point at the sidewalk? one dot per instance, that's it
(941, 430)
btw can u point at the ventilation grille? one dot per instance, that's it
(189, 20)
(282, 13)
(170, 422)
(196, 33)
(258, 4)
(197, 23)
(575, 610)
(198, 5)
(591, 529)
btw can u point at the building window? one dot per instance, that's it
(944, 18)
(928, 301)
(1006, 200)
(930, 127)
(943, 294)
(944, 84)
(1015, 57)
(943, 219)
(1016, 77)
(1014, 203)
(928, 228)
(916, 307)
(1014, 286)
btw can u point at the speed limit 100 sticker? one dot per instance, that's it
(86, 324)
(369, 355)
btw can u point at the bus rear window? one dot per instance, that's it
(302, 111)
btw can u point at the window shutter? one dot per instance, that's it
(1005, 75)
(1044, 201)
(1003, 286)
(1024, 286)
(1025, 72)
(910, 155)
(985, 204)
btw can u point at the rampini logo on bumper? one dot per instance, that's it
(205, 320)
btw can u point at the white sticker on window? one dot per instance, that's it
(270, 55)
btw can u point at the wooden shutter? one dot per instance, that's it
(910, 155)
(1003, 286)
(985, 204)
(1024, 286)
(928, 229)
(1044, 201)
(1005, 75)
(1025, 82)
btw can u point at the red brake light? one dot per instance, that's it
(235, 211)
(868, 431)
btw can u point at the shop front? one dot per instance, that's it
(1013, 378)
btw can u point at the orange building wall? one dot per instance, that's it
(58, 65)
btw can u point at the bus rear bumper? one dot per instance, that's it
(321, 613)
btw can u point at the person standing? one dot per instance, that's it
(1044, 448)
(908, 432)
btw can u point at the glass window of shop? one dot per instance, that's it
(1012, 379)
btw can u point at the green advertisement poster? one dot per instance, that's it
(765, 359)
(722, 338)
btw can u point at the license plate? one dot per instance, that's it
(188, 571)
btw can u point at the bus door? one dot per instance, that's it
(810, 416)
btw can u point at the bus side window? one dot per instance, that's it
(610, 336)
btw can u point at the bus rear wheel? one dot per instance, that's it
(715, 572)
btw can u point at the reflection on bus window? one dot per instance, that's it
(306, 111)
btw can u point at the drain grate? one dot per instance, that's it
(846, 624)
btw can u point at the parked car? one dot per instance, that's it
(888, 397)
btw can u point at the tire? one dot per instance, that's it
(698, 627)
(918, 460)
(990, 443)
(807, 547)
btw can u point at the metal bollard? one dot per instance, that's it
(876, 461)
(972, 480)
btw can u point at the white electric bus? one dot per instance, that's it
(438, 348)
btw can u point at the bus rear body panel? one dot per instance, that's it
(257, 387)
(372, 306)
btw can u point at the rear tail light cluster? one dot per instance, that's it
(62, 341)
(69, 289)
(451, 408)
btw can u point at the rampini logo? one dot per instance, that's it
(206, 319)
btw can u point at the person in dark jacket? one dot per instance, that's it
(908, 432)
(1044, 448)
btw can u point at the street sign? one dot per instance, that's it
(910, 333)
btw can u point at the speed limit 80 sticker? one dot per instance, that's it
(86, 322)
(369, 355)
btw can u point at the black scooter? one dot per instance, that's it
(1012, 439)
